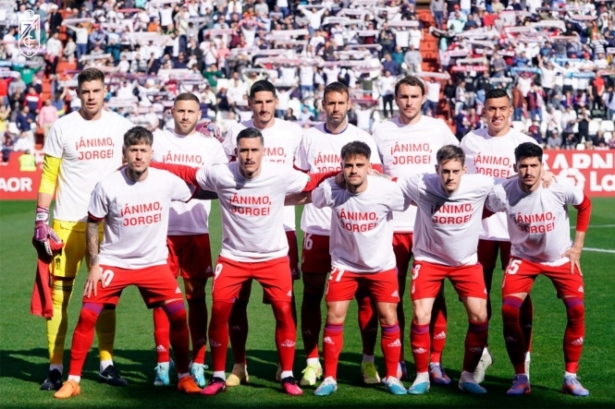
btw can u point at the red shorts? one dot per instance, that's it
(316, 258)
(156, 284)
(427, 278)
(342, 285)
(520, 275)
(402, 246)
(190, 256)
(273, 275)
(488, 253)
(293, 255)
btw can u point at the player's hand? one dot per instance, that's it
(94, 276)
(574, 255)
(547, 178)
(43, 233)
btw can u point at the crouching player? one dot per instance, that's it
(134, 204)
(361, 255)
(539, 230)
(450, 207)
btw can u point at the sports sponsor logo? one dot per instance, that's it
(214, 343)
(592, 171)
(441, 335)
(160, 348)
(419, 351)
(581, 290)
(394, 344)
(288, 343)
(328, 340)
(178, 290)
(476, 349)
(395, 294)
(209, 270)
(290, 293)
(577, 342)
(510, 339)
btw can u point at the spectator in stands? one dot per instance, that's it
(81, 41)
(555, 140)
(24, 120)
(17, 84)
(437, 9)
(290, 115)
(430, 107)
(386, 88)
(534, 132)
(413, 60)
(27, 162)
(583, 121)
(33, 100)
(7, 147)
(46, 117)
(24, 142)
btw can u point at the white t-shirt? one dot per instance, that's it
(136, 217)
(90, 150)
(319, 152)
(433, 91)
(447, 226)
(495, 157)
(196, 150)
(306, 75)
(252, 216)
(166, 16)
(411, 149)
(538, 222)
(281, 145)
(361, 224)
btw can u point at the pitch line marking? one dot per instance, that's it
(599, 250)
(598, 226)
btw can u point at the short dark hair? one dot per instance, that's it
(90, 74)
(528, 150)
(412, 81)
(250, 133)
(336, 87)
(187, 96)
(138, 135)
(260, 86)
(450, 152)
(356, 148)
(496, 93)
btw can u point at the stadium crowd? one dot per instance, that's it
(554, 59)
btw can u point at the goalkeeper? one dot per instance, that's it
(80, 149)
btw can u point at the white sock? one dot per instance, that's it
(313, 361)
(368, 358)
(467, 377)
(485, 351)
(527, 356)
(219, 374)
(286, 374)
(105, 363)
(574, 375)
(56, 366)
(183, 375)
(163, 365)
(432, 364)
(74, 378)
(421, 377)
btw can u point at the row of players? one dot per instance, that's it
(406, 145)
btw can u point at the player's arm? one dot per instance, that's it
(94, 271)
(42, 231)
(298, 199)
(574, 253)
(317, 178)
(186, 173)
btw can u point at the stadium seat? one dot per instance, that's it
(222, 83)
(519, 125)
(607, 126)
(607, 136)
(580, 146)
(594, 126)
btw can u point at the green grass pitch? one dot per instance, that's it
(23, 359)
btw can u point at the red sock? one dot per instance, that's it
(285, 333)
(420, 342)
(391, 348)
(83, 337)
(161, 334)
(179, 334)
(219, 333)
(238, 330)
(311, 321)
(526, 318)
(476, 339)
(332, 343)
(437, 327)
(575, 332)
(197, 322)
(368, 323)
(513, 333)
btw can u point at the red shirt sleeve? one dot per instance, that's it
(186, 173)
(317, 178)
(585, 210)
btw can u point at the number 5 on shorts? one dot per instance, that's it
(513, 267)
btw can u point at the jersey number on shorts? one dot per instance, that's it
(415, 271)
(217, 272)
(513, 267)
(107, 277)
(307, 242)
(337, 273)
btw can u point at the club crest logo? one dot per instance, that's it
(29, 34)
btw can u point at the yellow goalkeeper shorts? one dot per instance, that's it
(66, 264)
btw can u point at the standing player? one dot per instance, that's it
(491, 152)
(188, 241)
(319, 152)
(251, 193)
(80, 149)
(539, 230)
(282, 140)
(361, 255)
(407, 144)
(134, 204)
(449, 210)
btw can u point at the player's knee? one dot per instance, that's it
(176, 311)
(388, 318)
(89, 314)
(421, 316)
(281, 310)
(511, 308)
(575, 309)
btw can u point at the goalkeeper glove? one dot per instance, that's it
(45, 240)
